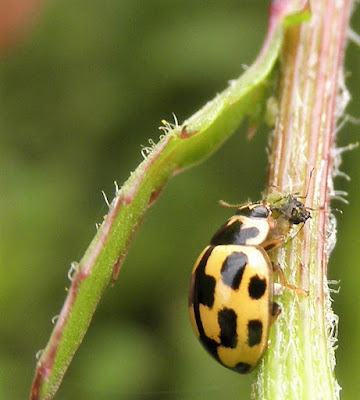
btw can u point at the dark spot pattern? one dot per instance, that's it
(235, 233)
(227, 320)
(257, 287)
(233, 269)
(245, 234)
(259, 212)
(210, 345)
(254, 332)
(242, 368)
(203, 288)
(254, 212)
(202, 291)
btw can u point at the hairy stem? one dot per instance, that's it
(300, 361)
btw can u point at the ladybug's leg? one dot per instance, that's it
(283, 281)
(276, 310)
(273, 243)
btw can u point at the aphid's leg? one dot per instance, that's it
(276, 310)
(298, 291)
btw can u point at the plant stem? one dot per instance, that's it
(300, 360)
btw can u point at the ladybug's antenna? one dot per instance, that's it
(228, 205)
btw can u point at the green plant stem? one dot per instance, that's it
(300, 361)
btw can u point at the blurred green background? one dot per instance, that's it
(80, 94)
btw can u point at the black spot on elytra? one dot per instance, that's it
(254, 332)
(225, 234)
(203, 286)
(235, 233)
(257, 287)
(242, 368)
(227, 322)
(233, 269)
(210, 345)
(202, 292)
